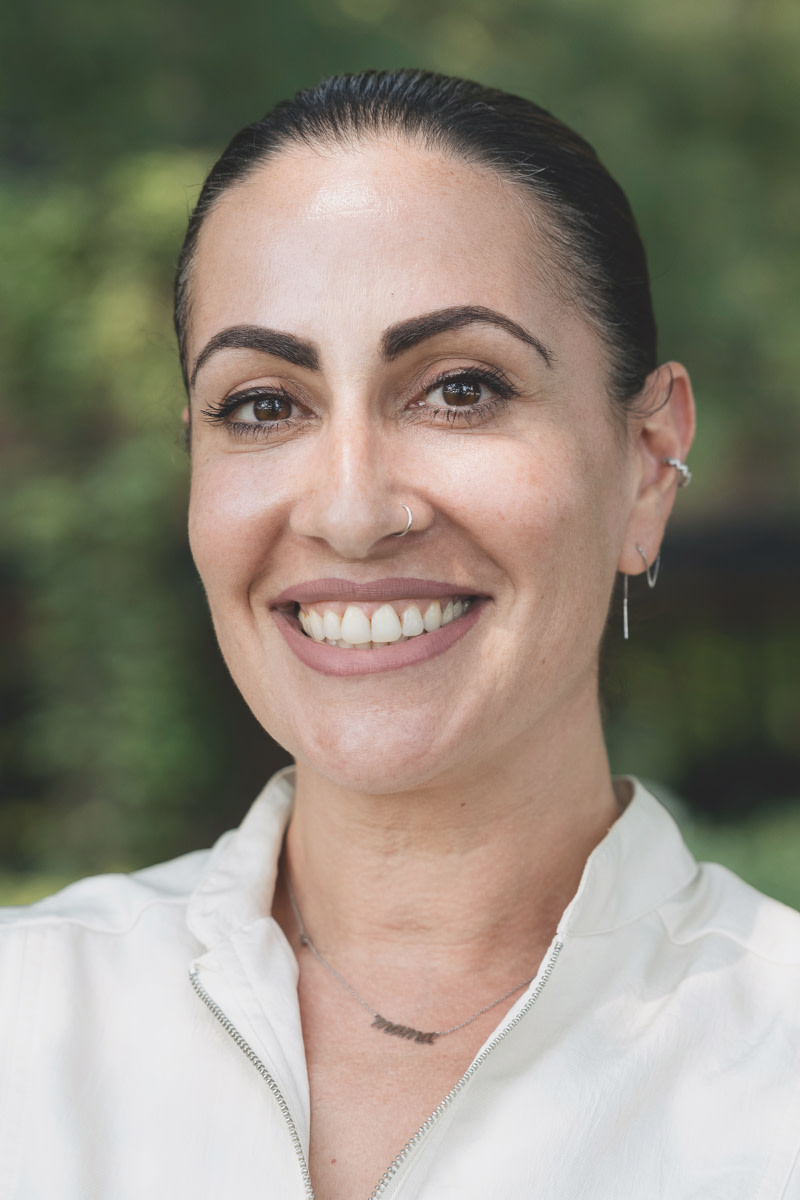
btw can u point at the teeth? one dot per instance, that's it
(386, 625)
(332, 624)
(433, 617)
(412, 622)
(355, 628)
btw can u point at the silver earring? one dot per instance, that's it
(403, 532)
(650, 572)
(652, 576)
(683, 470)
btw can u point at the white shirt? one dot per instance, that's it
(655, 1057)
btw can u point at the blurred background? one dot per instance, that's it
(123, 741)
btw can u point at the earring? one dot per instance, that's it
(652, 576)
(650, 572)
(681, 468)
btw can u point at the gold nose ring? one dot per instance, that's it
(403, 532)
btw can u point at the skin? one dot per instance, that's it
(445, 810)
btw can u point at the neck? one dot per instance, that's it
(474, 869)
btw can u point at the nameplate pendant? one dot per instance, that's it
(404, 1031)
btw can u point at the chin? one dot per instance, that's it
(379, 754)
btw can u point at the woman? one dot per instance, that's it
(428, 430)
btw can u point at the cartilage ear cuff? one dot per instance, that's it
(681, 468)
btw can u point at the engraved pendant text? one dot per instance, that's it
(404, 1031)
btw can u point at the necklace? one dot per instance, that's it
(379, 1023)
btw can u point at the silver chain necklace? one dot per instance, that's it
(380, 1023)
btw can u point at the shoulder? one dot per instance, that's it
(109, 903)
(96, 939)
(719, 907)
(134, 912)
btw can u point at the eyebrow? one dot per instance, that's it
(294, 350)
(396, 340)
(406, 334)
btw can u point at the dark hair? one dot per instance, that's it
(594, 243)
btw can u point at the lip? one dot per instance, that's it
(333, 660)
(402, 588)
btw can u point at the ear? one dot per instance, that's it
(186, 417)
(667, 432)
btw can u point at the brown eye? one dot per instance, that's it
(272, 408)
(461, 392)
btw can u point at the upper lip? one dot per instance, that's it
(403, 588)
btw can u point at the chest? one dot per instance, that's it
(372, 1092)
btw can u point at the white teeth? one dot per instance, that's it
(356, 629)
(433, 616)
(412, 622)
(332, 623)
(317, 627)
(355, 626)
(386, 625)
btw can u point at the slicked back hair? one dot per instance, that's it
(592, 240)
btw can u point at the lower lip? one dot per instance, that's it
(333, 660)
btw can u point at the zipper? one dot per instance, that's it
(396, 1164)
(250, 1053)
(387, 1178)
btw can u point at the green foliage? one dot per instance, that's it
(124, 741)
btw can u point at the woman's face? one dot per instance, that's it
(373, 328)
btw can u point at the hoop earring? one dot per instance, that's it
(625, 607)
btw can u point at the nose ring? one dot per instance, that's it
(403, 532)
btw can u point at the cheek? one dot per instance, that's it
(539, 506)
(234, 516)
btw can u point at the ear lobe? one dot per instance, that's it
(665, 431)
(185, 416)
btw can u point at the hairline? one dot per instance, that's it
(557, 268)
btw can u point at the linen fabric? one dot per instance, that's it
(661, 1059)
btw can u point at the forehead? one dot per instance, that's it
(369, 234)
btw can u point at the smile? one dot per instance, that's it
(342, 628)
(371, 626)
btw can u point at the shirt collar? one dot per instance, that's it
(238, 883)
(639, 864)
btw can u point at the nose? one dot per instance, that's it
(357, 488)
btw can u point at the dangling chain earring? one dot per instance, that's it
(651, 574)
(684, 479)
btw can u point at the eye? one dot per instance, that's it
(272, 406)
(457, 393)
(252, 408)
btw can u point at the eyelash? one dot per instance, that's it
(467, 416)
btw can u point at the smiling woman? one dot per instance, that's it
(428, 431)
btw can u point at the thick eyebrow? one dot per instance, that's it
(255, 337)
(406, 334)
